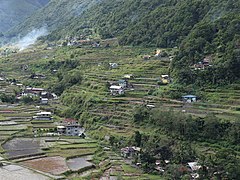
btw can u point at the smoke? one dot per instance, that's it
(31, 38)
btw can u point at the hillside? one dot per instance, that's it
(154, 85)
(54, 16)
(198, 28)
(12, 12)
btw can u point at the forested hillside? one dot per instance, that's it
(13, 12)
(54, 16)
(198, 28)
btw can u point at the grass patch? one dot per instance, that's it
(68, 153)
(130, 169)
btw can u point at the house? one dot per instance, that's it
(194, 167)
(44, 101)
(70, 127)
(130, 152)
(43, 116)
(128, 76)
(113, 65)
(32, 90)
(95, 44)
(54, 96)
(165, 79)
(199, 66)
(116, 90)
(146, 57)
(206, 62)
(37, 76)
(123, 83)
(189, 98)
(150, 106)
(48, 95)
(61, 130)
(44, 94)
(158, 53)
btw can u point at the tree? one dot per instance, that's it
(138, 138)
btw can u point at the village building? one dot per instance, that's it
(37, 76)
(123, 83)
(43, 116)
(128, 76)
(19, 85)
(146, 57)
(189, 98)
(113, 65)
(130, 152)
(205, 63)
(165, 79)
(194, 167)
(95, 44)
(70, 127)
(45, 94)
(116, 90)
(44, 101)
(33, 90)
(54, 96)
(158, 53)
(150, 106)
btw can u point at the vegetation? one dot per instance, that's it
(11, 14)
(150, 115)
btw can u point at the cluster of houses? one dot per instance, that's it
(37, 92)
(67, 127)
(158, 54)
(205, 63)
(80, 41)
(190, 167)
(131, 152)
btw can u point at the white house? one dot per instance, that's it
(116, 90)
(128, 76)
(43, 116)
(113, 65)
(44, 100)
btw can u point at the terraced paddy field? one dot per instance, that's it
(105, 116)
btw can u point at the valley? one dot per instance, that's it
(82, 79)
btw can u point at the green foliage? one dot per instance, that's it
(27, 99)
(140, 114)
(7, 98)
(66, 81)
(138, 138)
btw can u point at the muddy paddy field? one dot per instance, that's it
(20, 147)
(52, 156)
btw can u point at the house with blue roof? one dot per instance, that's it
(189, 98)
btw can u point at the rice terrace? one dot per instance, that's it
(119, 90)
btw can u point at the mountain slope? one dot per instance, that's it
(199, 28)
(13, 12)
(54, 16)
